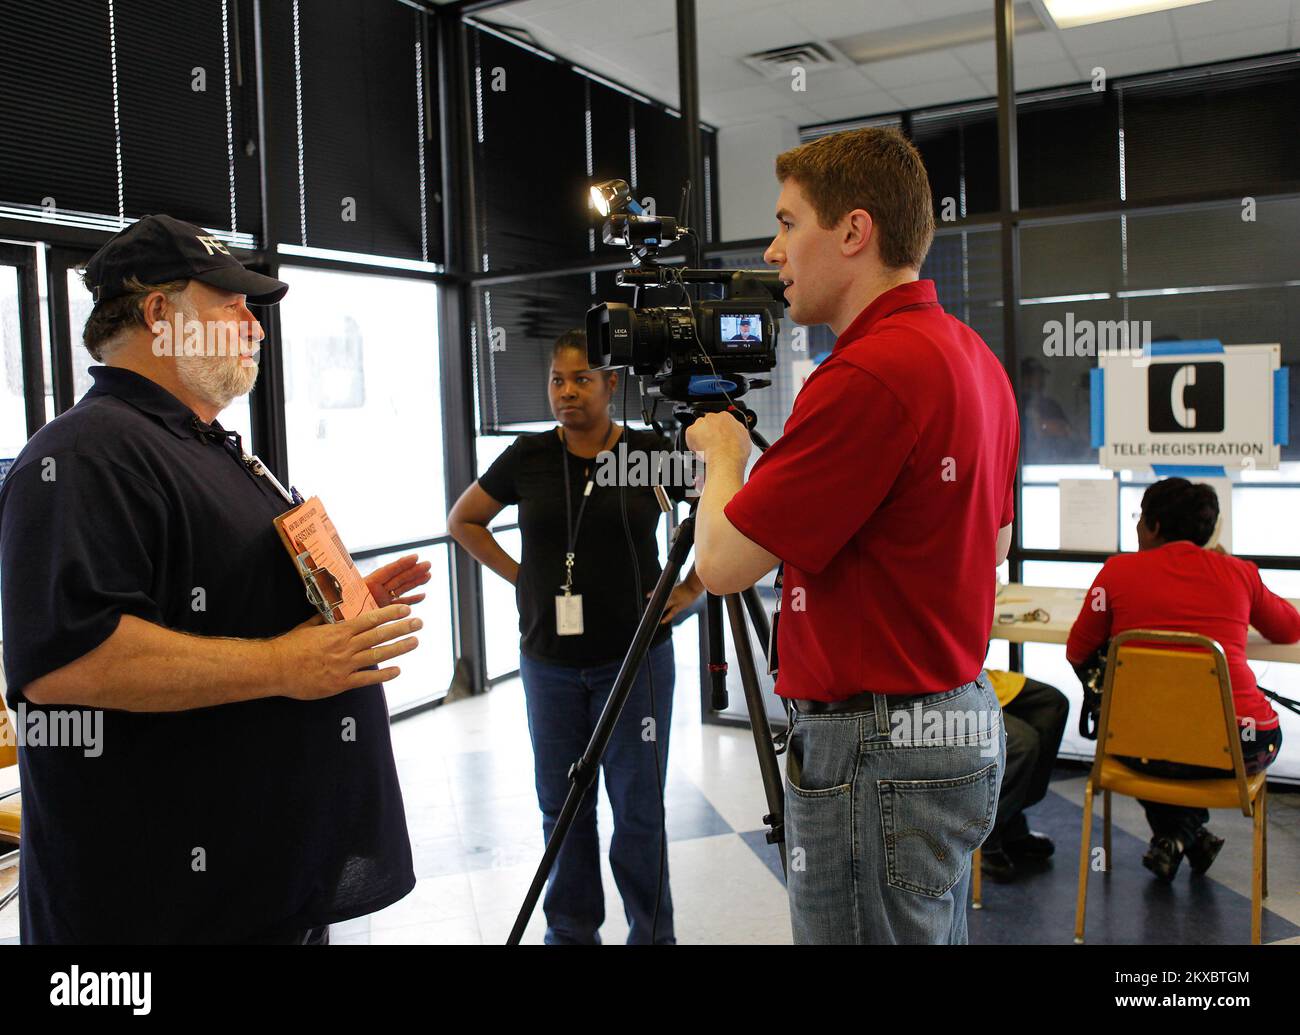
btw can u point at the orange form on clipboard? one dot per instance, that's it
(334, 585)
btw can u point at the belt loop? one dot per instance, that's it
(882, 715)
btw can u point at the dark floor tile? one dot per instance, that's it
(769, 854)
(1128, 906)
(690, 814)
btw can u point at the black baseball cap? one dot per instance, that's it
(156, 249)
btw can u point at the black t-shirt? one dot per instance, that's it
(530, 473)
(229, 823)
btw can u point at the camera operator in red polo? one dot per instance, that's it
(889, 498)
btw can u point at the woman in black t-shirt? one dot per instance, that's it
(581, 591)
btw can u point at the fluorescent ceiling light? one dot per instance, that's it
(1069, 13)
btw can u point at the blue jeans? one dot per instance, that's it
(564, 703)
(883, 811)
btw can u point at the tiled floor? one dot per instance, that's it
(476, 834)
(467, 774)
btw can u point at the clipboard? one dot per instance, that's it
(334, 585)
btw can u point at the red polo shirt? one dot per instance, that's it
(1182, 587)
(884, 497)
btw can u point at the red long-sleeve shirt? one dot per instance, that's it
(1182, 587)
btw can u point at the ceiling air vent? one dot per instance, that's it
(777, 63)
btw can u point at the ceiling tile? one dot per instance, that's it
(726, 74)
(832, 19)
(761, 30)
(579, 23)
(792, 116)
(1228, 45)
(1120, 34)
(726, 104)
(1228, 16)
(876, 102)
(624, 19)
(648, 51)
(930, 9)
(932, 66)
(838, 82)
(804, 116)
(659, 82)
(534, 8)
(967, 88)
(1130, 62)
(1038, 48)
(980, 57)
(1038, 77)
(1031, 48)
(599, 34)
(709, 9)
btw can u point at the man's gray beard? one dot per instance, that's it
(217, 380)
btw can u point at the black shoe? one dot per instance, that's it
(1202, 852)
(997, 865)
(1031, 847)
(1163, 858)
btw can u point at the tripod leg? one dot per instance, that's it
(768, 767)
(717, 653)
(583, 773)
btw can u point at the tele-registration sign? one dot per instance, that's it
(1191, 408)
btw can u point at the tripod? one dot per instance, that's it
(582, 774)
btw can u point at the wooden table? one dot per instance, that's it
(1063, 606)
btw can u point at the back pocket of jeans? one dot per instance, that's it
(931, 826)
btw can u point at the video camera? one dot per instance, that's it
(696, 352)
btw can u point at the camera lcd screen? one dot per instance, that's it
(740, 331)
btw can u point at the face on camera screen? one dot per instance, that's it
(740, 330)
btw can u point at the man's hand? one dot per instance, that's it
(319, 659)
(717, 435)
(387, 584)
(725, 560)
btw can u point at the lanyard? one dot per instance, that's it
(233, 444)
(259, 469)
(569, 525)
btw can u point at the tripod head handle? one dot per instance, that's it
(688, 415)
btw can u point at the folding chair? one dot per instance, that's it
(1175, 705)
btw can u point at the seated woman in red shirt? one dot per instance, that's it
(1173, 583)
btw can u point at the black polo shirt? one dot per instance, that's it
(236, 822)
(531, 474)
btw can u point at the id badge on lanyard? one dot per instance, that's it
(568, 604)
(568, 614)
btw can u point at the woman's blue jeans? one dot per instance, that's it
(564, 703)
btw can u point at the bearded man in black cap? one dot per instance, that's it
(242, 786)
